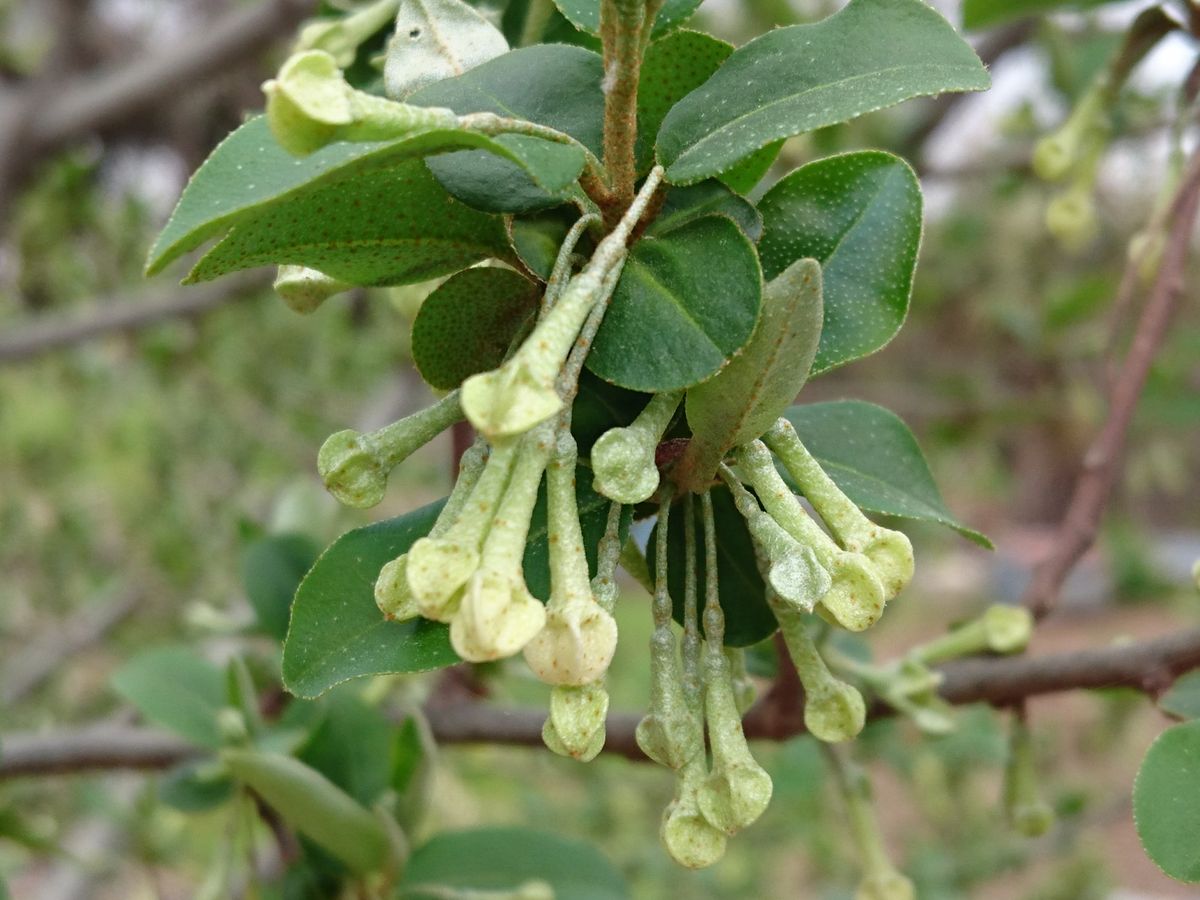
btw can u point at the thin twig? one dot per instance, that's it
(1100, 468)
(1147, 666)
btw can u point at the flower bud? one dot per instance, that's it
(310, 104)
(304, 289)
(881, 880)
(341, 37)
(890, 552)
(833, 710)
(576, 721)
(856, 596)
(1072, 219)
(885, 885)
(1029, 815)
(1001, 629)
(1056, 154)
(496, 618)
(393, 596)
(688, 836)
(623, 459)
(355, 466)
(576, 645)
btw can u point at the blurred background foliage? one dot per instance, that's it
(141, 467)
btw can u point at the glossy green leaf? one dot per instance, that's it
(314, 806)
(1183, 699)
(875, 460)
(1166, 802)
(338, 633)
(469, 322)
(743, 176)
(745, 398)
(585, 14)
(672, 68)
(351, 746)
(551, 84)
(272, 568)
(859, 215)
(871, 54)
(502, 859)
(379, 227)
(686, 204)
(748, 619)
(177, 689)
(537, 238)
(686, 303)
(249, 171)
(986, 13)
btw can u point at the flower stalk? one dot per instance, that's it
(623, 458)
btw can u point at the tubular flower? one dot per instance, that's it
(304, 289)
(890, 552)
(498, 616)
(792, 569)
(342, 37)
(393, 595)
(578, 641)
(686, 832)
(439, 566)
(1001, 629)
(355, 467)
(856, 596)
(623, 458)
(575, 726)
(310, 104)
(1028, 813)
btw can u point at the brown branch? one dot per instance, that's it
(1148, 666)
(108, 316)
(1100, 469)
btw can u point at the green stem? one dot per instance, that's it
(537, 17)
(691, 625)
(561, 273)
(492, 124)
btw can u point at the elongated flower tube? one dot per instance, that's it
(890, 552)
(623, 458)
(304, 289)
(310, 104)
(523, 391)
(1059, 152)
(856, 597)
(498, 616)
(1027, 812)
(580, 636)
(738, 789)
(393, 595)
(670, 733)
(880, 880)
(793, 571)
(686, 832)
(355, 467)
(1001, 629)
(834, 711)
(342, 37)
(907, 686)
(744, 691)
(438, 567)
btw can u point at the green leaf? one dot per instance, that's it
(551, 84)
(537, 238)
(871, 54)
(585, 14)
(177, 689)
(1183, 699)
(686, 303)
(986, 13)
(469, 322)
(272, 568)
(379, 227)
(672, 68)
(686, 204)
(502, 859)
(351, 746)
(338, 633)
(748, 619)
(746, 397)
(1166, 802)
(249, 171)
(600, 406)
(743, 176)
(873, 457)
(314, 806)
(195, 787)
(859, 215)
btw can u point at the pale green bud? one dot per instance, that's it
(735, 795)
(1001, 629)
(623, 459)
(1072, 219)
(497, 616)
(688, 836)
(1146, 250)
(889, 552)
(1056, 154)
(231, 725)
(342, 37)
(885, 885)
(576, 721)
(393, 596)
(576, 645)
(355, 467)
(1028, 814)
(310, 104)
(304, 289)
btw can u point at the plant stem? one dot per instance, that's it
(621, 25)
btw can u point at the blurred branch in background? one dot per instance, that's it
(1148, 666)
